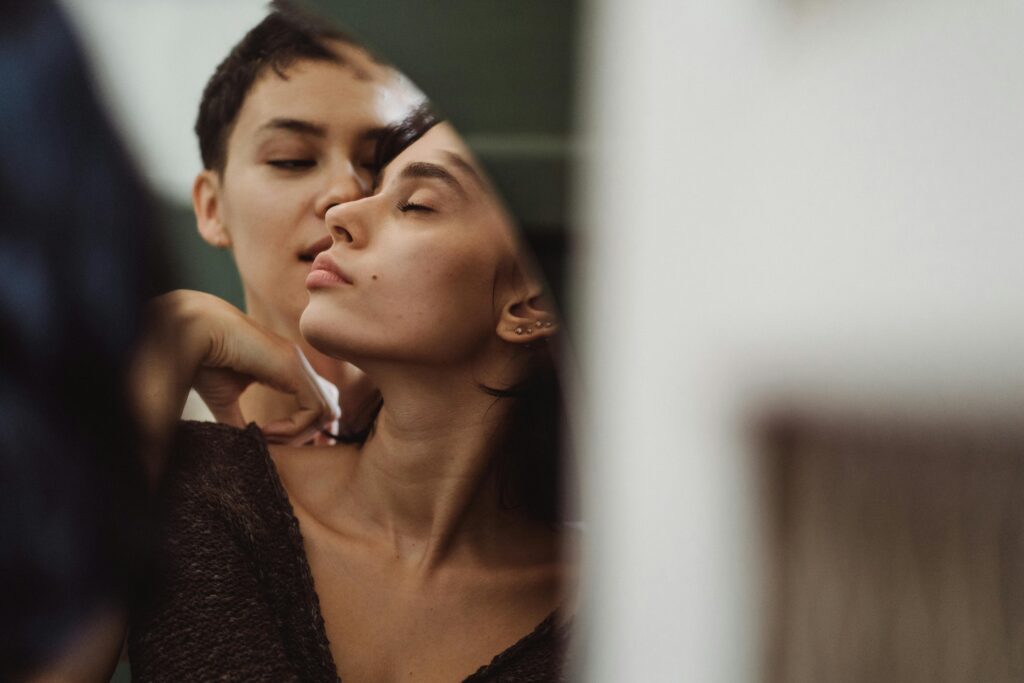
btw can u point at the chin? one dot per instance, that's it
(321, 331)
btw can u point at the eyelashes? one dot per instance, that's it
(302, 164)
(406, 207)
(292, 164)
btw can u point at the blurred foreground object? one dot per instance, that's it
(77, 261)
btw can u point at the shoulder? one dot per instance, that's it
(214, 449)
(214, 440)
(227, 596)
(218, 465)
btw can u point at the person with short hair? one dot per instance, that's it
(288, 126)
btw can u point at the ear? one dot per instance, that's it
(527, 316)
(206, 204)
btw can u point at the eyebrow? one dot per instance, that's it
(465, 166)
(304, 127)
(425, 169)
(295, 126)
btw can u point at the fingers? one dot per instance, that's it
(295, 430)
(241, 350)
(317, 401)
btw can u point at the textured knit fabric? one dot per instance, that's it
(234, 599)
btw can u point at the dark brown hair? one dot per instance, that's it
(286, 35)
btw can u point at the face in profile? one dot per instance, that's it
(424, 271)
(299, 145)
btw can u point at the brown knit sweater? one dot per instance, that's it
(234, 598)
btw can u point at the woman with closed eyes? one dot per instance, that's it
(428, 549)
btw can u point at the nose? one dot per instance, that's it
(346, 223)
(343, 185)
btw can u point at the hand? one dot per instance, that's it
(196, 339)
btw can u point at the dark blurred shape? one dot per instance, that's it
(896, 550)
(77, 261)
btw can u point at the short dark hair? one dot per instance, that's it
(288, 34)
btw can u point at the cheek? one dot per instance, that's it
(261, 215)
(263, 221)
(444, 295)
(426, 304)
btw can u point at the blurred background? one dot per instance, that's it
(793, 230)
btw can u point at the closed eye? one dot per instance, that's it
(292, 164)
(409, 206)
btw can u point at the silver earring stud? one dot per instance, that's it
(519, 330)
(529, 330)
(547, 324)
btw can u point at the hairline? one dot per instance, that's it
(280, 68)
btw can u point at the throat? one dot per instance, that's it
(428, 508)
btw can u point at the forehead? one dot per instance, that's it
(348, 98)
(442, 145)
(438, 145)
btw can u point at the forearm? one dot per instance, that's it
(173, 348)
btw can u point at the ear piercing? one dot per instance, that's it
(529, 330)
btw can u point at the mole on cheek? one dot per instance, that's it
(374, 277)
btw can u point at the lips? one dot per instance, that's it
(326, 272)
(309, 253)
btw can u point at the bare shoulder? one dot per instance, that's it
(312, 475)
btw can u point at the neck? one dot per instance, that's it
(423, 482)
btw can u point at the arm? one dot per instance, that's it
(191, 339)
(206, 615)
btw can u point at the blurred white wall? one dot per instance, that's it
(814, 201)
(151, 59)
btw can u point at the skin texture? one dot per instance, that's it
(279, 180)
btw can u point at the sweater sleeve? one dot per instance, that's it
(206, 615)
